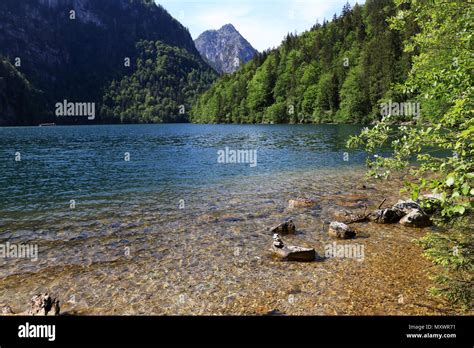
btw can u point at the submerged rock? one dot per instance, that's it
(349, 217)
(301, 203)
(341, 231)
(416, 218)
(352, 201)
(285, 228)
(291, 252)
(342, 215)
(386, 216)
(294, 253)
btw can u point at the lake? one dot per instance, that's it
(88, 163)
(158, 219)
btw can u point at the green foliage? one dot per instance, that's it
(453, 251)
(442, 142)
(164, 84)
(353, 101)
(336, 72)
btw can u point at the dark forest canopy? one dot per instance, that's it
(166, 81)
(76, 56)
(19, 100)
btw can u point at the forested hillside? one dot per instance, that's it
(162, 88)
(74, 49)
(336, 72)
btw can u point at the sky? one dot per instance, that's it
(264, 23)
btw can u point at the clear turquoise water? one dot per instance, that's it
(128, 248)
(87, 163)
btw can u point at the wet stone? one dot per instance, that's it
(386, 216)
(294, 253)
(344, 215)
(406, 207)
(416, 218)
(285, 228)
(340, 230)
(301, 203)
(291, 252)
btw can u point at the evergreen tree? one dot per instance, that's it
(336, 72)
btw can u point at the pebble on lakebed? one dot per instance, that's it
(301, 203)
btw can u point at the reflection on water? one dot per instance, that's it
(174, 232)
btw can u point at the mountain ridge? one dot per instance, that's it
(225, 49)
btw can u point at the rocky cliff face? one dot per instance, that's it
(224, 49)
(72, 49)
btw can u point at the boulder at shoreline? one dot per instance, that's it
(416, 218)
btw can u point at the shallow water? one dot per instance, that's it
(130, 246)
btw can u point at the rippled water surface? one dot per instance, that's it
(172, 231)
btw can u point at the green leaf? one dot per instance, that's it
(450, 181)
(459, 209)
(465, 189)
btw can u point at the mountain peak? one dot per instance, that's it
(228, 27)
(225, 49)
